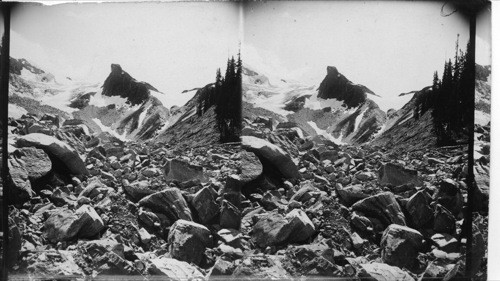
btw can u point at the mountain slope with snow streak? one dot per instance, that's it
(122, 106)
(338, 109)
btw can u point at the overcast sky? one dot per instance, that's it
(173, 46)
(389, 46)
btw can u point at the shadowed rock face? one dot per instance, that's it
(17, 65)
(120, 83)
(337, 86)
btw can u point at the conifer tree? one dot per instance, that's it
(450, 98)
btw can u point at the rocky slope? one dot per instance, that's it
(127, 108)
(282, 205)
(391, 215)
(339, 109)
(402, 131)
(187, 129)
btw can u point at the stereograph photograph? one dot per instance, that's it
(256, 140)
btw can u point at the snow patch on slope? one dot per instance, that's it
(105, 128)
(100, 100)
(28, 75)
(142, 116)
(316, 103)
(358, 119)
(16, 111)
(61, 100)
(272, 101)
(325, 134)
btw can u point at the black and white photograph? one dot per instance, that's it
(256, 140)
(362, 111)
(124, 123)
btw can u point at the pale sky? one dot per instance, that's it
(173, 46)
(391, 47)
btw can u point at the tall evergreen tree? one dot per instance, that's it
(450, 98)
(226, 96)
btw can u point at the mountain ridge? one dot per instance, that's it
(123, 106)
(338, 109)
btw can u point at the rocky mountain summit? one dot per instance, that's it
(122, 106)
(337, 86)
(120, 83)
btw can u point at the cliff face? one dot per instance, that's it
(120, 83)
(337, 86)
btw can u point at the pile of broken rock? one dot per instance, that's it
(278, 206)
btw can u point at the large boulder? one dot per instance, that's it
(138, 190)
(20, 189)
(383, 272)
(230, 215)
(272, 154)
(64, 224)
(168, 202)
(271, 229)
(350, 194)
(302, 227)
(419, 209)
(400, 245)
(449, 196)
(395, 175)
(61, 225)
(56, 148)
(188, 240)
(181, 171)
(232, 190)
(251, 167)
(36, 162)
(174, 269)
(205, 205)
(382, 206)
(91, 222)
(444, 221)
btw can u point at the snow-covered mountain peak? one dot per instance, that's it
(338, 109)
